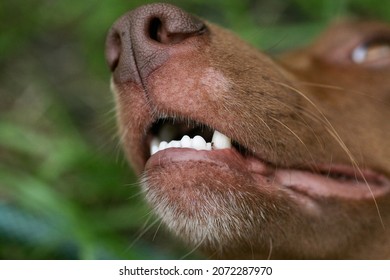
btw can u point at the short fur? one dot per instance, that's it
(304, 110)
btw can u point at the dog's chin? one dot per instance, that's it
(215, 211)
(214, 204)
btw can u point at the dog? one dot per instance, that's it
(244, 156)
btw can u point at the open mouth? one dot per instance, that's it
(168, 133)
(171, 140)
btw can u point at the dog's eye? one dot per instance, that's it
(373, 53)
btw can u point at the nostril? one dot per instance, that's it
(113, 49)
(168, 34)
(158, 32)
(143, 39)
(155, 30)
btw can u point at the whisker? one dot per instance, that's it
(157, 229)
(195, 248)
(295, 135)
(270, 249)
(349, 91)
(140, 193)
(333, 132)
(144, 229)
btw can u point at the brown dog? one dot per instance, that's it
(284, 158)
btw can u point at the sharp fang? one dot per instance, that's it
(221, 141)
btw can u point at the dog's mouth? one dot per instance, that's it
(168, 133)
(179, 141)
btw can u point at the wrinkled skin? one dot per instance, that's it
(313, 181)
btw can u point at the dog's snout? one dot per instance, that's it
(141, 40)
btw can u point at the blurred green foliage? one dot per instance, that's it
(66, 191)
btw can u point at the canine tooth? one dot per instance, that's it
(163, 145)
(199, 143)
(186, 142)
(154, 144)
(221, 141)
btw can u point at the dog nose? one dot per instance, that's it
(140, 41)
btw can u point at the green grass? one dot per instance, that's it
(66, 191)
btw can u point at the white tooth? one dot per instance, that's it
(154, 150)
(208, 146)
(163, 145)
(154, 145)
(221, 141)
(174, 144)
(186, 142)
(199, 143)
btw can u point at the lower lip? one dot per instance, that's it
(225, 158)
(309, 184)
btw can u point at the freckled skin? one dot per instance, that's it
(299, 115)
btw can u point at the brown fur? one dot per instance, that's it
(307, 109)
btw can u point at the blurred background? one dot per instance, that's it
(66, 190)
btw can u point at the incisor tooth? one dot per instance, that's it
(163, 145)
(186, 141)
(174, 144)
(219, 141)
(199, 143)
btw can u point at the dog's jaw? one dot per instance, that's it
(236, 205)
